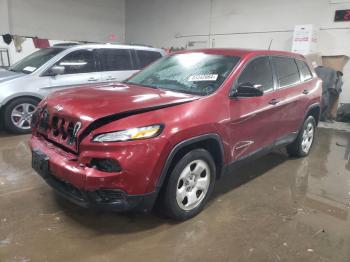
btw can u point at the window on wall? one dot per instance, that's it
(286, 70)
(78, 62)
(305, 73)
(116, 59)
(258, 73)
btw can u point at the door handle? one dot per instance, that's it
(109, 78)
(305, 92)
(274, 101)
(92, 79)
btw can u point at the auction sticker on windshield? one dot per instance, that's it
(207, 77)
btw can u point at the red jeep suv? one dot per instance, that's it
(169, 132)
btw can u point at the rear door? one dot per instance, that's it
(289, 94)
(306, 87)
(253, 118)
(80, 69)
(145, 57)
(116, 64)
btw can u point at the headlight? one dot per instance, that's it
(130, 134)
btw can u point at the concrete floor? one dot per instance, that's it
(277, 209)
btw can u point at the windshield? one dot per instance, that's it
(194, 73)
(35, 60)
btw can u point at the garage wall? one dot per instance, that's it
(4, 18)
(158, 22)
(88, 20)
(238, 23)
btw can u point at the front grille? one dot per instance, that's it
(59, 129)
(63, 130)
(44, 120)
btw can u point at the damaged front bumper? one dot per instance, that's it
(82, 185)
(108, 199)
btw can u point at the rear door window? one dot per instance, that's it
(258, 73)
(144, 58)
(305, 73)
(78, 62)
(286, 70)
(116, 60)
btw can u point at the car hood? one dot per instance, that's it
(89, 104)
(6, 75)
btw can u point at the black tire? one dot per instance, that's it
(8, 123)
(170, 206)
(296, 149)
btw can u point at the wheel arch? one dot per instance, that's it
(22, 95)
(211, 142)
(11, 99)
(315, 111)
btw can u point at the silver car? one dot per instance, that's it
(25, 83)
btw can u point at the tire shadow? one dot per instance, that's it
(247, 172)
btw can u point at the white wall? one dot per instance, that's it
(4, 16)
(71, 20)
(238, 23)
(157, 22)
(88, 20)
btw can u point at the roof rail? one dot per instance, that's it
(136, 44)
(66, 44)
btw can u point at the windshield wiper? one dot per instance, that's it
(137, 84)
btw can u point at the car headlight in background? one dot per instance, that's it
(130, 134)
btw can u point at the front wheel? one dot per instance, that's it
(18, 115)
(302, 145)
(190, 185)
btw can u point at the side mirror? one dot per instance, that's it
(247, 90)
(56, 70)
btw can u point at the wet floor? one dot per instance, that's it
(277, 209)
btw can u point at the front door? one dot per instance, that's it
(253, 118)
(80, 69)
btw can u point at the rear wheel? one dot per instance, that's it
(302, 145)
(18, 115)
(190, 185)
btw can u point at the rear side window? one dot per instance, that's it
(78, 62)
(286, 70)
(116, 59)
(146, 57)
(305, 73)
(259, 73)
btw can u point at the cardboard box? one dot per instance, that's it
(336, 62)
(305, 39)
(314, 59)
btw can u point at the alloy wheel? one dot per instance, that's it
(21, 115)
(193, 184)
(308, 137)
